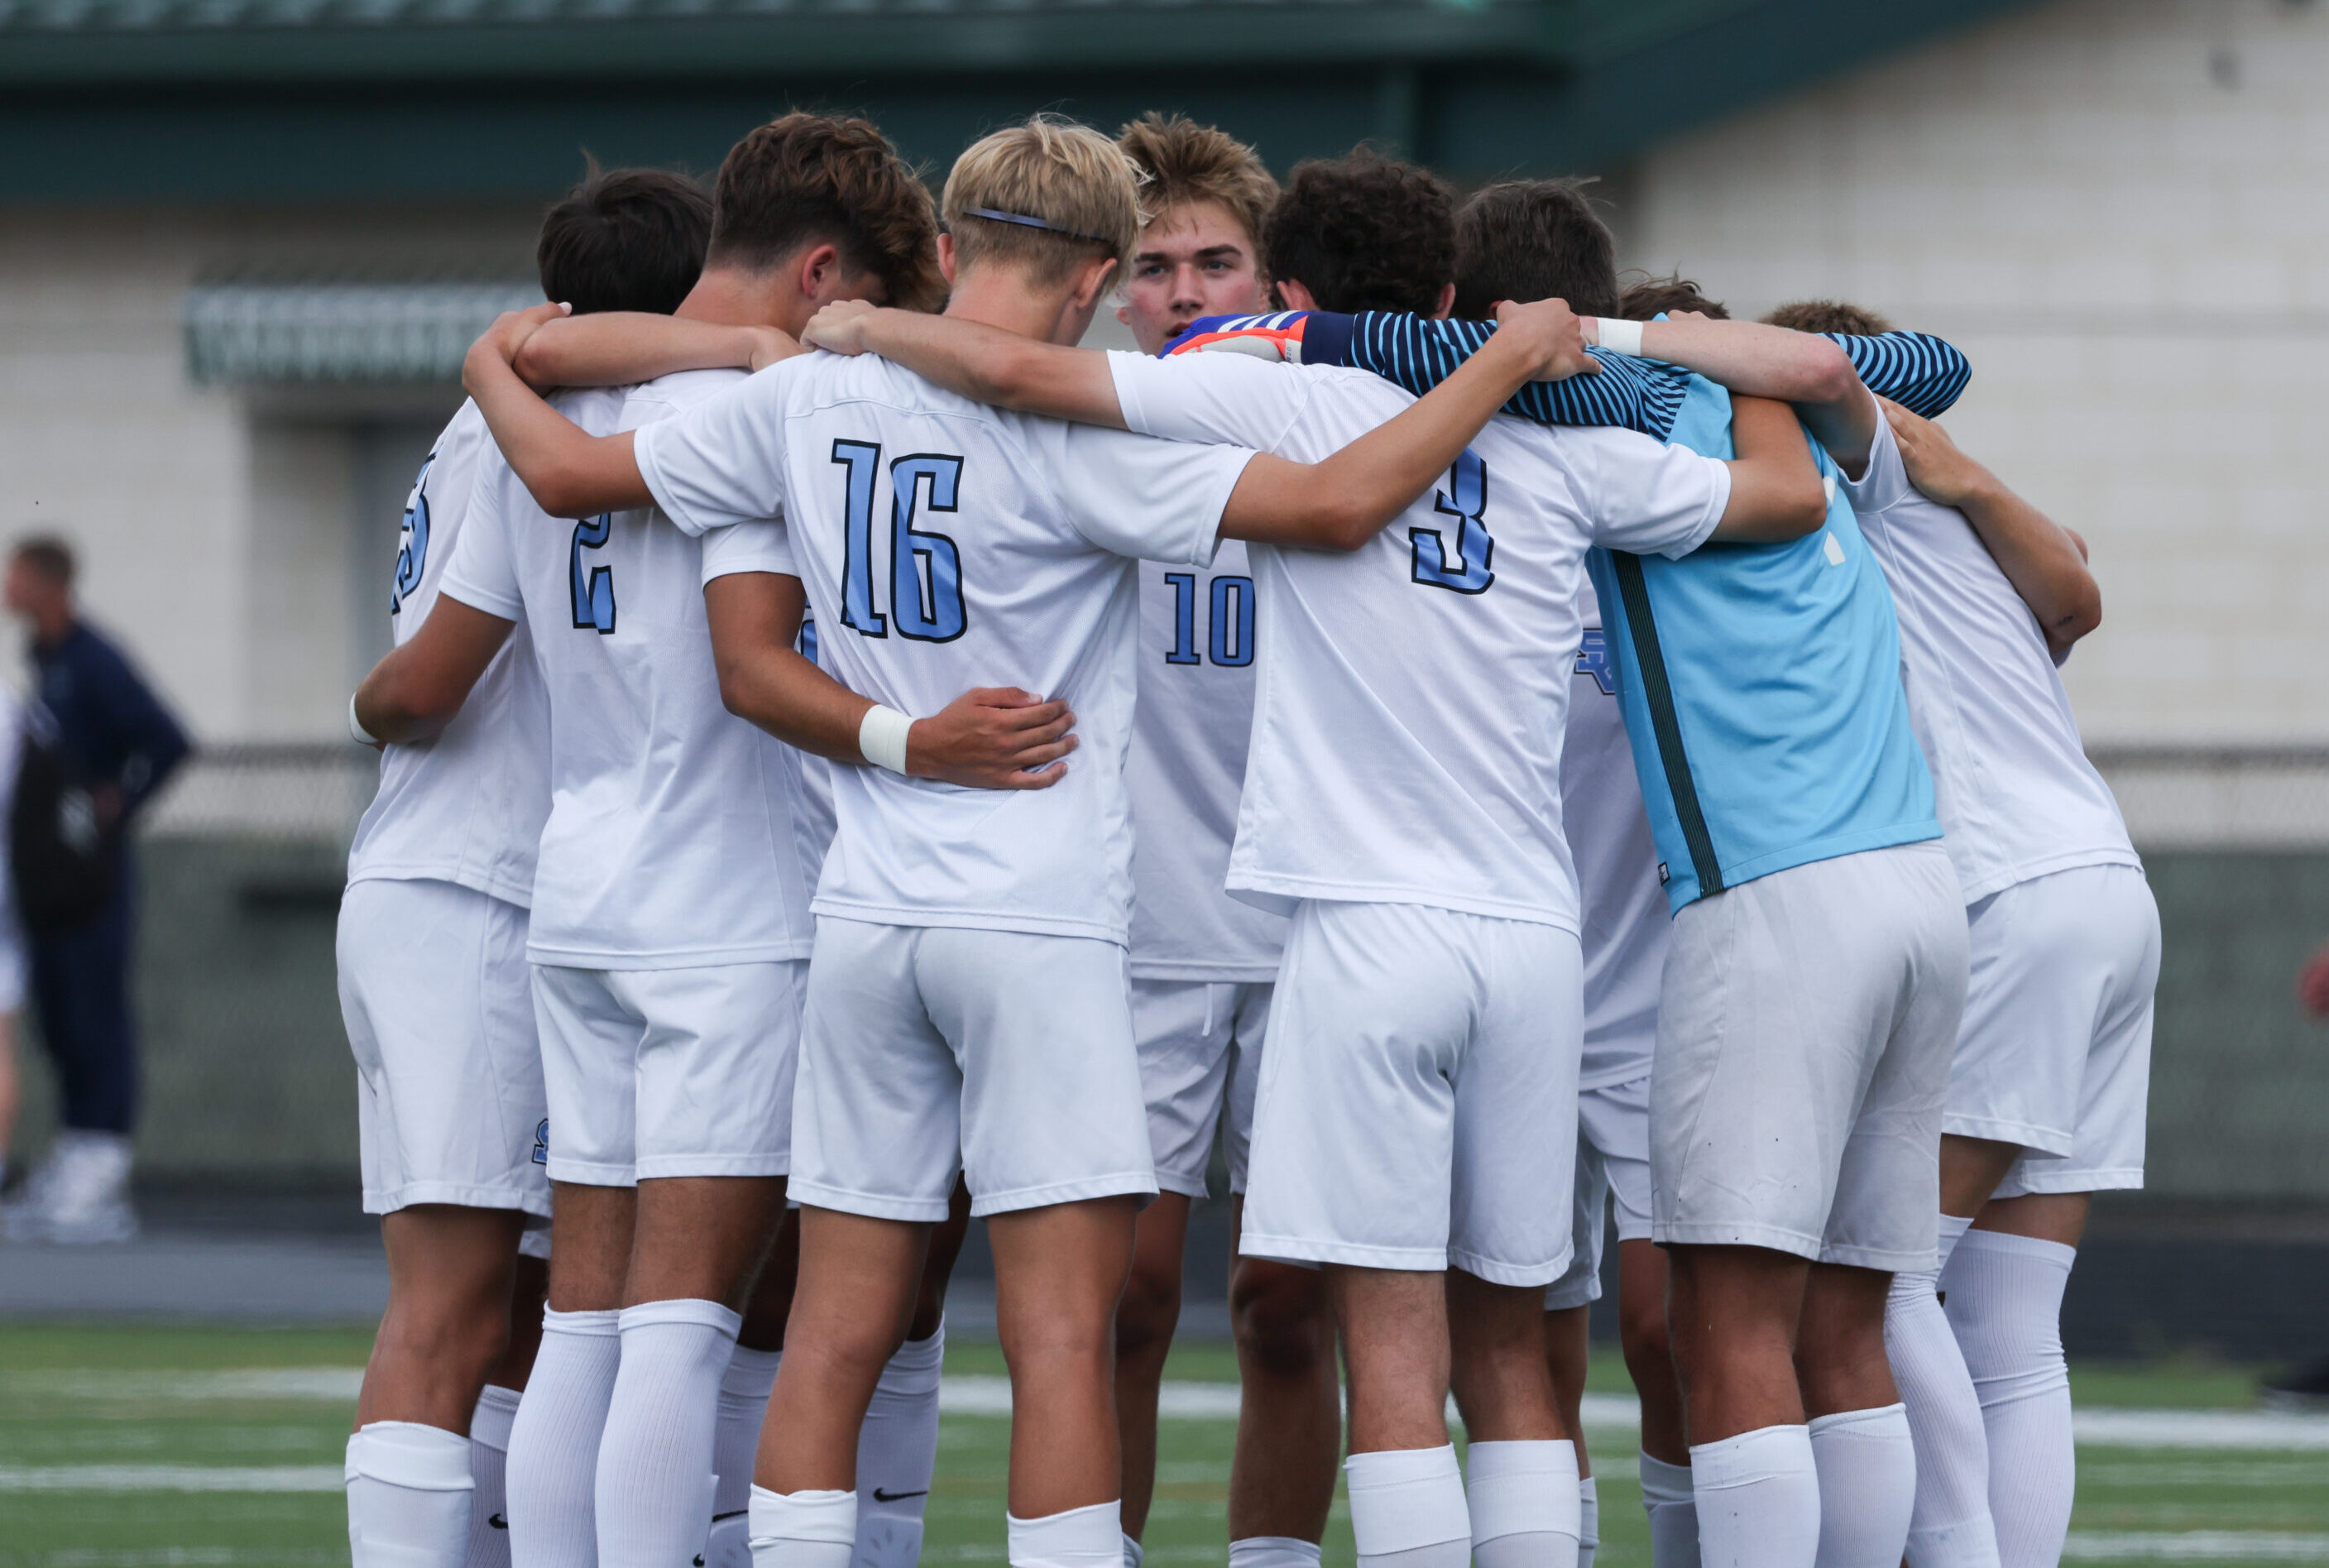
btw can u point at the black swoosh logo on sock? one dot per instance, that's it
(881, 1496)
(496, 1522)
(730, 1514)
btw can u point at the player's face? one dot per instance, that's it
(1195, 260)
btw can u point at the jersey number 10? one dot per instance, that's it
(1232, 622)
(925, 576)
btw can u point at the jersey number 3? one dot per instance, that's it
(1465, 500)
(925, 576)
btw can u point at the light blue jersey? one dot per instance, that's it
(1761, 685)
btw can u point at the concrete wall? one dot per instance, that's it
(2120, 209)
(214, 525)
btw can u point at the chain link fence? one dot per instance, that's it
(248, 1077)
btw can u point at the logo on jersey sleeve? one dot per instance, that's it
(1593, 659)
(412, 540)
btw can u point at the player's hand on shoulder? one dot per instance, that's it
(1552, 334)
(840, 327)
(1934, 463)
(510, 330)
(990, 737)
(769, 345)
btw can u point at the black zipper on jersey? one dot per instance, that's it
(1642, 628)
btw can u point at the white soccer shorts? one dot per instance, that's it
(1200, 1045)
(1613, 1161)
(434, 991)
(1806, 1023)
(2055, 1050)
(1418, 1104)
(669, 1073)
(929, 1050)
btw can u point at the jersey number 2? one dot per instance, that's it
(1465, 499)
(594, 586)
(925, 577)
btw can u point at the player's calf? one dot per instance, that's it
(1289, 1416)
(1146, 1318)
(1859, 1428)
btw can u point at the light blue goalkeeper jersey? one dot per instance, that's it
(1761, 683)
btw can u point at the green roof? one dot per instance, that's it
(320, 99)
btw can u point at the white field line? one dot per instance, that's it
(2196, 1545)
(171, 1479)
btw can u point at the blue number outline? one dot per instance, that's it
(594, 593)
(863, 461)
(412, 540)
(941, 616)
(1184, 650)
(1217, 641)
(1467, 499)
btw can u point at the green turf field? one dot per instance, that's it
(196, 1446)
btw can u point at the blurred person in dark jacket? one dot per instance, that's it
(120, 743)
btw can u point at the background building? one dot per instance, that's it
(242, 244)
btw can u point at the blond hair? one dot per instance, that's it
(1187, 163)
(1067, 195)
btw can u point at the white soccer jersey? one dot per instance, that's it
(2016, 796)
(467, 808)
(671, 840)
(947, 545)
(1624, 928)
(1409, 721)
(1198, 638)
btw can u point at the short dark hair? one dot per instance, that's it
(1829, 316)
(1524, 240)
(1363, 232)
(49, 556)
(624, 240)
(807, 178)
(1654, 296)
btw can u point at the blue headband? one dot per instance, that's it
(1025, 222)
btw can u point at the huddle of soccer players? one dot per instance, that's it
(1470, 819)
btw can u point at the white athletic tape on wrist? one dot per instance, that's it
(882, 737)
(356, 731)
(1619, 337)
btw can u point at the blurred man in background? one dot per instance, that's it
(120, 743)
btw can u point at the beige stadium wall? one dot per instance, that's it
(214, 524)
(2120, 211)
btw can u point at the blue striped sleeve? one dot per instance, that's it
(1636, 395)
(1921, 373)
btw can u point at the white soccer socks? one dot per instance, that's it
(1407, 1508)
(1086, 1537)
(897, 1452)
(1133, 1550)
(1524, 1501)
(1274, 1551)
(655, 1462)
(553, 1451)
(1758, 1499)
(1588, 1521)
(2005, 1304)
(1673, 1508)
(1867, 1485)
(803, 1529)
(1950, 1526)
(735, 1440)
(409, 1489)
(489, 1440)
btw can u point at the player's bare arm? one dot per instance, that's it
(419, 687)
(987, 738)
(1775, 493)
(571, 473)
(618, 347)
(1803, 368)
(2045, 561)
(1340, 503)
(985, 364)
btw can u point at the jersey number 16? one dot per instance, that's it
(925, 575)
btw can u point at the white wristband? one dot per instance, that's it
(882, 737)
(1618, 335)
(356, 731)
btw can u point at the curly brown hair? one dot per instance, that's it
(1829, 316)
(1654, 296)
(1187, 163)
(1363, 232)
(1524, 240)
(804, 179)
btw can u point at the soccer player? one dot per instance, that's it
(434, 985)
(1401, 799)
(968, 1000)
(2048, 1090)
(670, 916)
(1201, 963)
